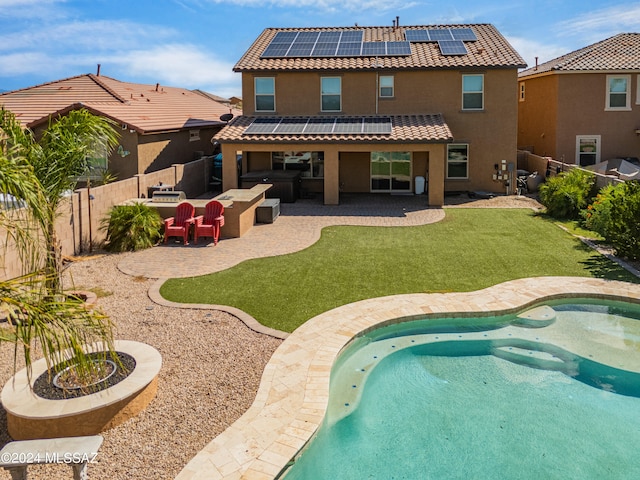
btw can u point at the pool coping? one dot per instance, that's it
(294, 390)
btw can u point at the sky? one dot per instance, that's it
(195, 43)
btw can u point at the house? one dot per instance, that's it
(583, 107)
(370, 109)
(159, 125)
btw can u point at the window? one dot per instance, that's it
(618, 92)
(587, 150)
(472, 92)
(331, 94)
(458, 161)
(386, 86)
(265, 94)
(310, 164)
(194, 135)
(522, 91)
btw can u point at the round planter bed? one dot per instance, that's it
(30, 416)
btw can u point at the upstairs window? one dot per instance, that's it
(265, 88)
(386, 86)
(473, 92)
(618, 92)
(331, 94)
(522, 91)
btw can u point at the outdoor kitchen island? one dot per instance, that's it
(240, 206)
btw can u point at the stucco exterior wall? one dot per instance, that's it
(161, 150)
(561, 106)
(538, 115)
(490, 133)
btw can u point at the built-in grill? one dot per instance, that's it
(170, 196)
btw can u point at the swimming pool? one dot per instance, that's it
(552, 391)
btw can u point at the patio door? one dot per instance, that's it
(391, 172)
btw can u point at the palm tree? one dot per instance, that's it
(58, 158)
(33, 313)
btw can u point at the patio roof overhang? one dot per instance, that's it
(425, 128)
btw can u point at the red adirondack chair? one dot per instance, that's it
(208, 225)
(179, 224)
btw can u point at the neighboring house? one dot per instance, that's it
(584, 107)
(369, 109)
(159, 125)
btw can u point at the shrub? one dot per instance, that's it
(132, 227)
(566, 194)
(615, 214)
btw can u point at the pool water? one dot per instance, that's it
(486, 399)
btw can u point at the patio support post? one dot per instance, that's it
(331, 175)
(435, 183)
(229, 167)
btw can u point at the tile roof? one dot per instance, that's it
(405, 129)
(620, 52)
(145, 108)
(491, 50)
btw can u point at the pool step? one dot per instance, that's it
(537, 317)
(529, 357)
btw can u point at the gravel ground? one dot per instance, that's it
(212, 364)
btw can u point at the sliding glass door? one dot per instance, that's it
(391, 172)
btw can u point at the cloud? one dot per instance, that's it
(530, 49)
(84, 36)
(607, 22)
(180, 65)
(27, 9)
(325, 5)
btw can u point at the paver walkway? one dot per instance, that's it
(298, 226)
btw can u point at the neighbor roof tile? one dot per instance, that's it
(145, 108)
(620, 52)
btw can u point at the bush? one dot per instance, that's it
(615, 214)
(566, 194)
(132, 227)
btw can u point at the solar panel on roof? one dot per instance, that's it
(377, 125)
(320, 125)
(352, 36)
(284, 37)
(345, 43)
(398, 48)
(276, 50)
(307, 37)
(262, 125)
(466, 34)
(291, 125)
(452, 47)
(300, 49)
(349, 49)
(348, 125)
(436, 34)
(416, 35)
(324, 49)
(374, 48)
(329, 37)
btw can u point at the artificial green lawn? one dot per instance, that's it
(469, 250)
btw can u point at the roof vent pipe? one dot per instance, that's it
(536, 63)
(157, 86)
(397, 20)
(98, 72)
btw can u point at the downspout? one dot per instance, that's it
(377, 88)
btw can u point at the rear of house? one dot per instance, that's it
(370, 109)
(584, 107)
